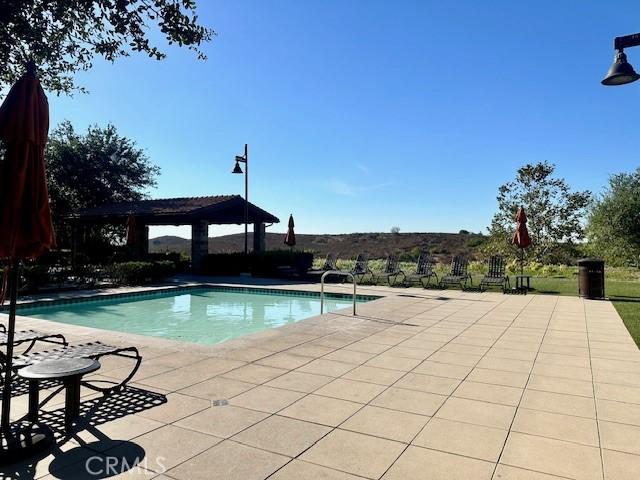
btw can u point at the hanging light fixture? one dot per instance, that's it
(621, 71)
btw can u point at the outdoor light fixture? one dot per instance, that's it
(621, 72)
(237, 169)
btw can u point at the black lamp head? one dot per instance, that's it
(621, 72)
(237, 168)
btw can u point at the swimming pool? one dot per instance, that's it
(200, 315)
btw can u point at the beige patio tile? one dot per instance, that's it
(442, 370)
(416, 461)
(499, 377)
(266, 399)
(247, 354)
(381, 376)
(428, 383)
(349, 356)
(354, 453)
(489, 393)
(617, 436)
(560, 371)
(328, 368)
(284, 360)
(620, 393)
(484, 443)
(282, 435)
(223, 421)
(451, 358)
(298, 470)
(560, 385)
(217, 388)
(505, 472)
(322, 410)
(229, 461)
(253, 373)
(612, 411)
(367, 347)
(411, 401)
(506, 364)
(391, 362)
(123, 428)
(552, 456)
(362, 392)
(300, 381)
(559, 403)
(178, 406)
(168, 446)
(477, 412)
(309, 350)
(620, 466)
(558, 426)
(385, 423)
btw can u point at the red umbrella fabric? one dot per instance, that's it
(25, 217)
(131, 230)
(521, 237)
(290, 238)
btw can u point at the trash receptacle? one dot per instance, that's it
(591, 278)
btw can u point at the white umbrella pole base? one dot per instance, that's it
(24, 440)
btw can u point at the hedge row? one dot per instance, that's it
(261, 264)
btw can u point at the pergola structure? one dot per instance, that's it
(199, 212)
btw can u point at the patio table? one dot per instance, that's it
(69, 371)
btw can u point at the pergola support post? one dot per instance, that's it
(259, 237)
(199, 244)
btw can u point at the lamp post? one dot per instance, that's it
(237, 169)
(621, 71)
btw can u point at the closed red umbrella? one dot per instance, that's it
(521, 237)
(25, 218)
(290, 238)
(131, 230)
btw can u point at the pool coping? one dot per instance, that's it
(150, 292)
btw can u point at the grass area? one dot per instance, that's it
(622, 285)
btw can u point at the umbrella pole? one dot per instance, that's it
(11, 328)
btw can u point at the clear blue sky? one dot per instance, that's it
(361, 115)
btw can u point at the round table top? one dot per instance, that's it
(63, 368)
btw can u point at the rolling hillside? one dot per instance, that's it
(376, 245)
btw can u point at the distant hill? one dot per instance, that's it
(375, 245)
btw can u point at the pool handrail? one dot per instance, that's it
(339, 273)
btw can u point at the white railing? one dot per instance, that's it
(339, 273)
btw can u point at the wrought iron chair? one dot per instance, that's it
(391, 271)
(424, 270)
(458, 274)
(496, 276)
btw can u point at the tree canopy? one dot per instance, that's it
(98, 167)
(62, 37)
(613, 229)
(555, 213)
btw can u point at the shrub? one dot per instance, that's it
(259, 264)
(136, 273)
(35, 276)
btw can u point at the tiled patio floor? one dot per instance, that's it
(420, 385)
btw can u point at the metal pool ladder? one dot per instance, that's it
(339, 273)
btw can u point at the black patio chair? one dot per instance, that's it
(458, 274)
(496, 276)
(93, 350)
(31, 337)
(330, 262)
(424, 270)
(391, 271)
(361, 269)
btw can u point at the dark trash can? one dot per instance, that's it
(591, 278)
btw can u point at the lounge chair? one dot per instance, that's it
(458, 274)
(496, 276)
(361, 268)
(93, 350)
(391, 271)
(424, 270)
(330, 262)
(33, 336)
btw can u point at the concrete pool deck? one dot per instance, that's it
(422, 384)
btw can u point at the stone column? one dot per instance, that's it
(199, 244)
(142, 239)
(258, 237)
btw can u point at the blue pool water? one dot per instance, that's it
(204, 316)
